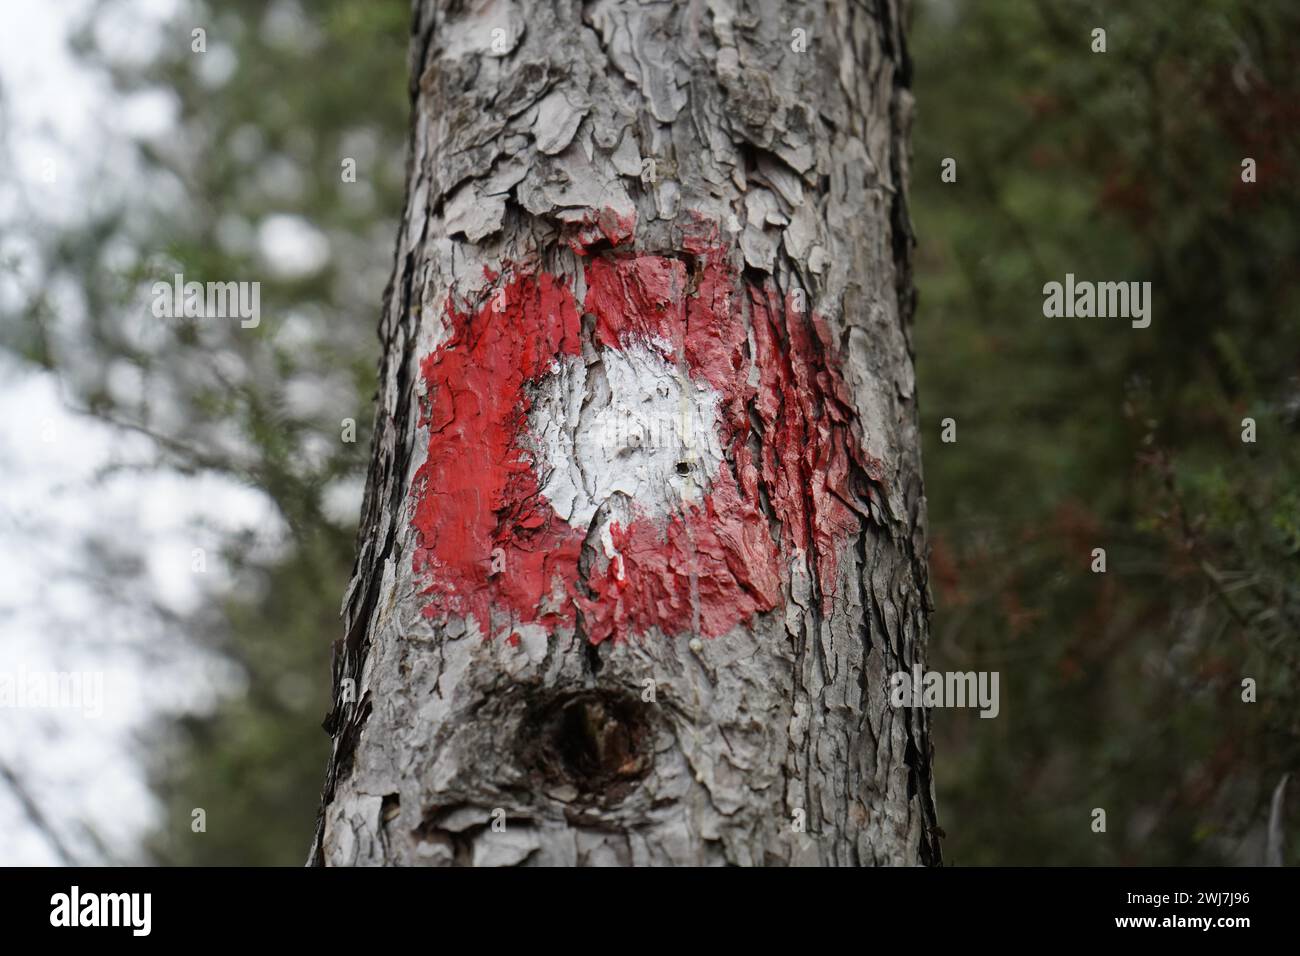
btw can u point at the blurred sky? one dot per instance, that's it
(55, 614)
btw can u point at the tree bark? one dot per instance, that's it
(558, 652)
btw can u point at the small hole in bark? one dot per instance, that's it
(598, 742)
(683, 468)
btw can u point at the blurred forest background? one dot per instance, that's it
(1120, 690)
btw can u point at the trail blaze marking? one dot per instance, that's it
(639, 445)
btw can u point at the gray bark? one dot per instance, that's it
(803, 157)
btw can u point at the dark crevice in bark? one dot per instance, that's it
(599, 742)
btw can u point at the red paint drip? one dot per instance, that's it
(705, 570)
(804, 407)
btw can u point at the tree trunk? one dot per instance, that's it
(644, 535)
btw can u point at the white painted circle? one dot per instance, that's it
(631, 423)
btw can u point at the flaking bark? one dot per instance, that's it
(530, 118)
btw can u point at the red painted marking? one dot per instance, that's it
(478, 489)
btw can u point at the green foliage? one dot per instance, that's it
(255, 764)
(276, 132)
(266, 117)
(1121, 690)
